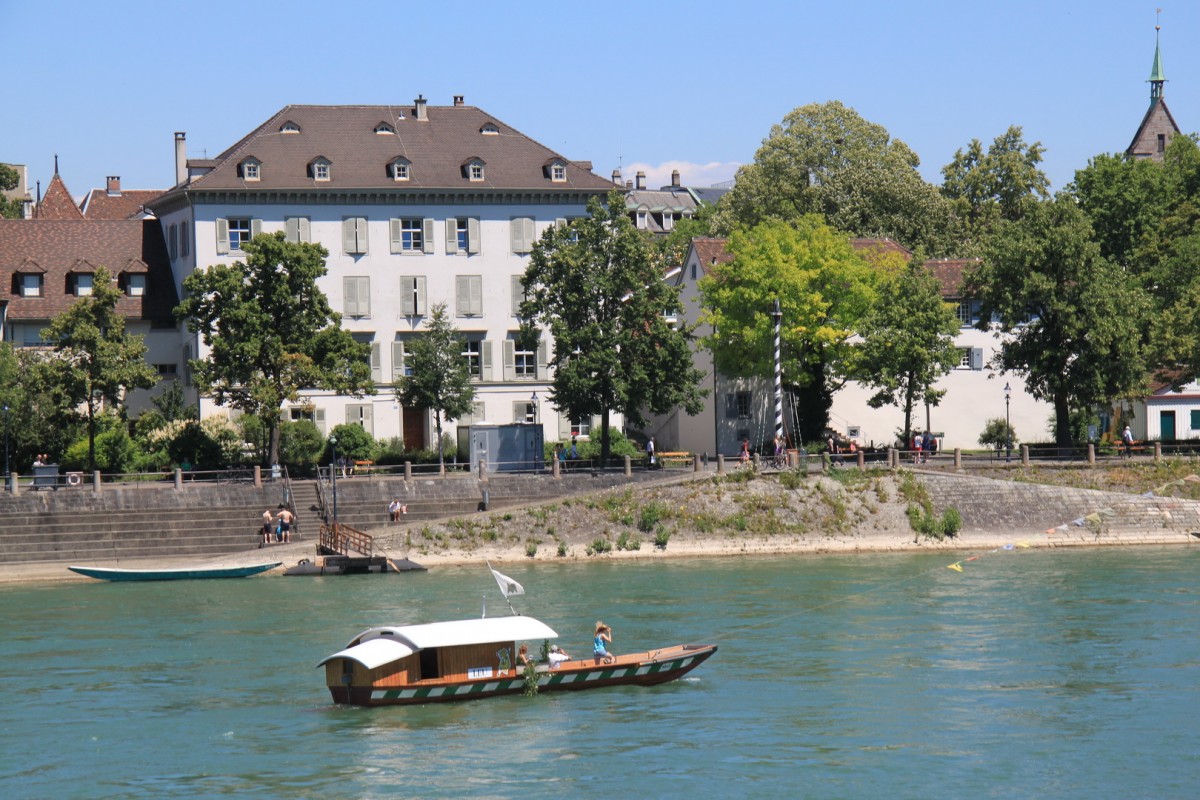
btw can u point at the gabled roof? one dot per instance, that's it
(884, 245)
(436, 148)
(57, 248)
(57, 202)
(949, 272)
(710, 251)
(99, 204)
(1157, 119)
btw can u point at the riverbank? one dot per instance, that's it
(754, 515)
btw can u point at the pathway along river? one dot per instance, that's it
(1030, 674)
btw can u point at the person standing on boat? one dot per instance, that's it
(266, 528)
(603, 638)
(285, 524)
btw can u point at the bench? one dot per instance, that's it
(681, 457)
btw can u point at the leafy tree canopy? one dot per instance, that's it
(270, 331)
(596, 285)
(9, 178)
(826, 159)
(824, 289)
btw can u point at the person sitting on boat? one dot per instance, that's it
(557, 656)
(523, 656)
(602, 639)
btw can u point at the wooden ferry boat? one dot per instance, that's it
(175, 574)
(474, 658)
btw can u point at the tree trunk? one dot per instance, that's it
(437, 422)
(1062, 423)
(273, 441)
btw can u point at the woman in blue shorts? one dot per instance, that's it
(603, 637)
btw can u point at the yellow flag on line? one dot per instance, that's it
(955, 567)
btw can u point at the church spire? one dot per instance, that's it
(1157, 79)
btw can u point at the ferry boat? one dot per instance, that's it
(475, 658)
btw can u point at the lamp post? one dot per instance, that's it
(1007, 425)
(533, 400)
(333, 468)
(6, 472)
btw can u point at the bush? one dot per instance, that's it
(628, 541)
(300, 445)
(531, 549)
(562, 549)
(661, 537)
(652, 514)
(599, 546)
(998, 434)
(353, 443)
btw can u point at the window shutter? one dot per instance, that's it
(349, 236)
(368, 418)
(473, 236)
(976, 358)
(305, 231)
(560, 222)
(319, 419)
(510, 359)
(487, 361)
(255, 227)
(462, 295)
(291, 227)
(451, 236)
(730, 406)
(564, 427)
(394, 227)
(185, 246)
(397, 360)
(222, 237)
(408, 295)
(543, 354)
(476, 283)
(422, 305)
(518, 294)
(376, 362)
(427, 234)
(514, 235)
(520, 412)
(350, 296)
(527, 225)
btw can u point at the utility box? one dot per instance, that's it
(45, 476)
(506, 448)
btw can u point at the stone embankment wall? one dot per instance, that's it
(1090, 516)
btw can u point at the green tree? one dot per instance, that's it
(9, 178)
(908, 342)
(824, 289)
(826, 159)
(1125, 199)
(672, 249)
(986, 187)
(97, 362)
(1071, 317)
(270, 332)
(441, 379)
(595, 284)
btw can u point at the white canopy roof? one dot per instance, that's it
(463, 631)
(374, 653)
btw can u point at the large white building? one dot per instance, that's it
(417, 205)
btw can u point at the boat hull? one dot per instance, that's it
(642, 669)
(118, 574)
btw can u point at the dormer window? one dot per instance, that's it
(319, 169)
(289, 127)
(490, 129)
(385, 129)
(400, 169)
(83, 285)
(475, 169)
(249, 169)
(556, 170)
(31, 285)
(135, 284)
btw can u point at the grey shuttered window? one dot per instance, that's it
(297, 229)
(354, 235)
(468, 295)
(412, 295)
(521, 234)
(222, 237)
(356, 296)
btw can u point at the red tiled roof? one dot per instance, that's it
(99, 204)
(950, 271)
(710, 251)
(882, 245)
(57, 202)
(59, 247)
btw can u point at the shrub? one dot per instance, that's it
(599, 546)
(661, 537)
(531, 549)
(628, 541)
(652, 514)
(998, 434)
(562, 549)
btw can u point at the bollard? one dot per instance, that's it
(862, 459)
(1025, 455)
(257, 476)
(178, 479)
(892, 460)
(14, 484)
(628, 467)
(96, 480)
(407, 470)
(441, 468)
(958, 458)
(720, 464)
(756, 463)
(695, 462)
(556, 468)
(1158, 451)
(1091, 453)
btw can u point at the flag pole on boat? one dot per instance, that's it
(508, 588)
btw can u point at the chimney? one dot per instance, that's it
(616, 178)
(181, 173)
(113, 185)
(419, 112)
(641, 180)
(458, 100)
(674, 179)
(628, 185)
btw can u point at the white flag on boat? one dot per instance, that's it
(508, 587)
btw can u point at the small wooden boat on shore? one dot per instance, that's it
(185, 573)
(474, 658)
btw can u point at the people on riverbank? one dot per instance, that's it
(268, 522)
(285, 518)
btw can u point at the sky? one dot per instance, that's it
(655, 86)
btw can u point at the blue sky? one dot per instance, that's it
(653, 86)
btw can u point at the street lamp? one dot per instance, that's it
(533, 401)
(6, 472)
(333, 467)
(1007, 425)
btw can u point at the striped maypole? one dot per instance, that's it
(778, 315)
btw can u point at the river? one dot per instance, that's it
(1067, 674)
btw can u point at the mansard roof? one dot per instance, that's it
(436, 147)
(57, 248)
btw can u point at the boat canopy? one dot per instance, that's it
(461, 632)
(373, 653)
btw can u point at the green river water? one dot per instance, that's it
(1066, 674)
